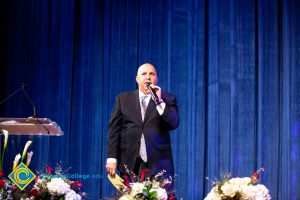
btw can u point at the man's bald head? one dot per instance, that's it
(146, 74)
(143, 66)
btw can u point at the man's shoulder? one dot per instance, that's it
(167, 94)
(127, 94)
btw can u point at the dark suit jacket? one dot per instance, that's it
(126, 128)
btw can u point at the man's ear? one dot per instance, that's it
(136, 79)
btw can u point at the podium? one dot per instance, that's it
(30, 126)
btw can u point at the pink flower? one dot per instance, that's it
(143, 174)
(49, 169)
(126, 182)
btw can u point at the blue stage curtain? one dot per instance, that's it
(233, 65)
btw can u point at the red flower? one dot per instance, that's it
(49, 169)
(255, 177)
(33, 192)
(1, 173)
(171, 197)
(126, 182)
(76, 185)
(2, 183)
(143, 173)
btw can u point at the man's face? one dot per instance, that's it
(146, 74)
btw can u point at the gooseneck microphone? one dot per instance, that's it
(23, 88)
(153, 94)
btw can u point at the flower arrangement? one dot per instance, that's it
(245, 188)
(145, 186)
(50, 184)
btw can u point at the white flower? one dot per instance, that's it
(25, 149)
(16, 161)
(5, 132)
(248, 192)
(213, 195)
(136, 188)
(71, 195)
(240, 181)
(39, 180)
(161, 194)
(37, 183)
(125, 197)
(29, 156)
(58, 186)
(262, 192)
(230, 190)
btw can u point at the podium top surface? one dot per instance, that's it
(30, 126)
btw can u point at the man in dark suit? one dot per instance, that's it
(138, 135)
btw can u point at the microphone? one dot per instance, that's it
(153, 94)
(23, 86)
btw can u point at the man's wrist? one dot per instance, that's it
(160, 101)
(161, 107)
(111, 160)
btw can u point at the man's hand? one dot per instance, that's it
(157, 90)
(111, 168)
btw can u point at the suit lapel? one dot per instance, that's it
(150, 108)
(138, 108)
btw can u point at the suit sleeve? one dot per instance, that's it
(170, 114)
(115, 127)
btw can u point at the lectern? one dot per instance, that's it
(30, 126)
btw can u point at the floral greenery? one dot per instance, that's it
(50, 184)
(238, 188)
(146, 187)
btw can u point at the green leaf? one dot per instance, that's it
(61, 198)
(153, 194)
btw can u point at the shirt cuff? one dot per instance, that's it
(161, 107)
(111, 160)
